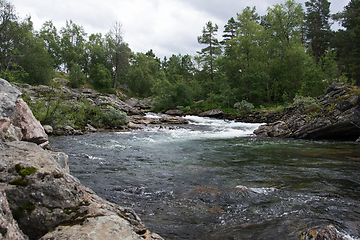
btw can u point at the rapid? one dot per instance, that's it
(211, 179)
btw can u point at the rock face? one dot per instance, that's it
(335, 115)
(49, 203)
(17, 123)
(37, 190)
(9, 229)
(98, 99)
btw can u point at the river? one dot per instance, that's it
(211, 179)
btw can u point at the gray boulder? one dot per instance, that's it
(49, 203)
(215, 113)
(9, 229)
(17, 123)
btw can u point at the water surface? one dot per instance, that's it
(211, 180)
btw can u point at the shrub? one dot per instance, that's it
(244, 106)
(304, 102)
(114, 118)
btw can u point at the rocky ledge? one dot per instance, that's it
(335, 115)
(39, 198)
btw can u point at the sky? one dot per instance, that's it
(165, 26)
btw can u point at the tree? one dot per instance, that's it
(209, 53)
(115, 42)
(348, 40)
(318, 30)
(8, 31)
(72, 45)
(48, 33)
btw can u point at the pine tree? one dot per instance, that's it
(209, 53)
(318, 30)
(348, 40)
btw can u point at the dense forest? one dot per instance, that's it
(259, 60)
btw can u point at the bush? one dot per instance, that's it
(55, 110)
(305, 102)
(244, 106)
(114, 118)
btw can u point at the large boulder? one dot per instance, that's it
(9, 229)
(214, 113)
(335, 115)
(49, 203)
(17, 123)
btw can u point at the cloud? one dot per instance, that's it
(166, 26)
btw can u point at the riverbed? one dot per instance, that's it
(211, 179)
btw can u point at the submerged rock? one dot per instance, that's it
(49, 203)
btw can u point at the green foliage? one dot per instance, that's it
(76, 77)
(244, 106)
(305, 102)
(56, 110)
(101, 76)
(114, 118)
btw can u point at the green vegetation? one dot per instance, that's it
(56, 110)
(25, 171)
(19, 182)
(262, 60)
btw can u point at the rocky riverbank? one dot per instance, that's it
(335, 115)
(38, 196)
(133, 108)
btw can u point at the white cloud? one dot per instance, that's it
(166, 26)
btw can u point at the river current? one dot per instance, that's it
(211, 179)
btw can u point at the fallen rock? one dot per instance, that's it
(49, 203)
(9, 229)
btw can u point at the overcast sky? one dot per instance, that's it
(166, 26)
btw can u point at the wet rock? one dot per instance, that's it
(141, 120)
(277, 129)
(134, 126)
(175, 112)
(43, 196)
(9, 229)
(90, 128)
(215, 113)
(173, 120)
(68, 130)
(324, 233)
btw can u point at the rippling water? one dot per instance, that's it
(211, 180)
